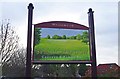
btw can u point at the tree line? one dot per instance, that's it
(84, 37)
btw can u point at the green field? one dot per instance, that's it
(61, 49)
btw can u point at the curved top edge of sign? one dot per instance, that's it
(61, 24)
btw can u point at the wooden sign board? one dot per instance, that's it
(61, 42)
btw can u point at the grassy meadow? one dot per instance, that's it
(61, 49)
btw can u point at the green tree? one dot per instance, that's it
(85, 37)
(37, 35)
(56, 37)
(85, 40)
(64, 37)
(48, 36)
(78, 37)
(67, 37)
(73, 37)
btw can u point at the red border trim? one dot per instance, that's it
(61, 24)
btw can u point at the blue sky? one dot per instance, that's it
(105, 16)
(60, 32)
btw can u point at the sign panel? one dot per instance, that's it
(54, 44)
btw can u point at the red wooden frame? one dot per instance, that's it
(61, 25)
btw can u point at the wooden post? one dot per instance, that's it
(29, 39)
(92, 43)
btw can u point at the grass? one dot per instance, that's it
(52, 49)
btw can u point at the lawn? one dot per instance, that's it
(61, 49)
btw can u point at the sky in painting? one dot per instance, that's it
(105, 17)
(60, 32)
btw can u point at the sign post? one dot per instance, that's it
(61, 24)
(92, 39)
(29, 40)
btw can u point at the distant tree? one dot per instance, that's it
(64, 37)
(56, 37)
(78, 37)
(85, 37)
(73, 37)
(37, 36)
(48, 36)
(67, 37)
(85, 40)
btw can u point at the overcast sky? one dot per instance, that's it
(105, 17)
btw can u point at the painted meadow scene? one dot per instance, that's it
(61, 44)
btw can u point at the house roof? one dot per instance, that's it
(106, 66)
